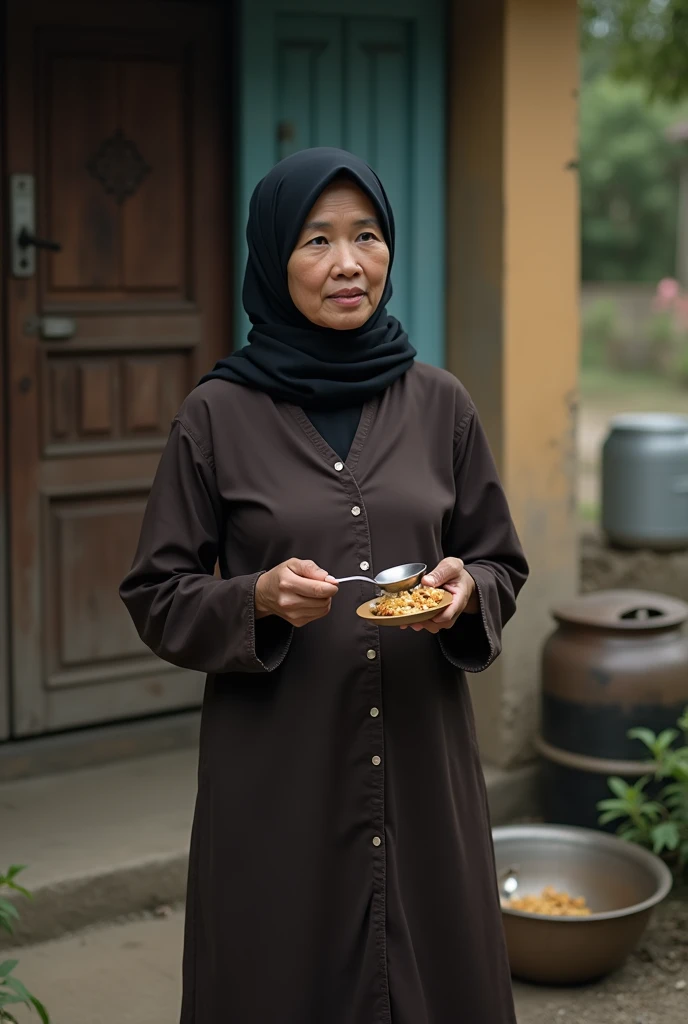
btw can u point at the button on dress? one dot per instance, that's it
(341, 869)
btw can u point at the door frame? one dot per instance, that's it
(256, 120)
(19, 702)
(5, 652)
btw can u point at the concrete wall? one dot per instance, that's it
(513, 306)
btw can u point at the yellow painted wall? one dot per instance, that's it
(513, 307)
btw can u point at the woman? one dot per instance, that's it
(341, 866)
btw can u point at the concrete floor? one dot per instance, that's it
(120, 974)
(129, 973)
(100, 843)
(106, 842)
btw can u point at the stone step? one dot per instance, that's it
(104, 842)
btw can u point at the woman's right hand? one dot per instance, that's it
(296, 591)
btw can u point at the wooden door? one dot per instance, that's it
(115, 110)
(370, 80)
(4, 533)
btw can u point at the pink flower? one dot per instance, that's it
(667, 292)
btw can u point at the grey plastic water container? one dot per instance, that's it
(645, 481)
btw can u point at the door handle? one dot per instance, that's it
(23, 225)
(25, 239)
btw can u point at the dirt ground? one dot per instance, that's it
(129, 973)
(651, 989)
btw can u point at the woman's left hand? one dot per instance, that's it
(450, 575)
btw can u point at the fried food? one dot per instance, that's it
(419, 600)
(550, 902)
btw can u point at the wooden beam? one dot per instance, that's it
(513, 307)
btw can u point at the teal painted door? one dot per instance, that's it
(370, 81)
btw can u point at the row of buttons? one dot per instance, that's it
(376, 759)
(356, 510)
(371, 654)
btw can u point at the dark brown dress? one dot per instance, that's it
(325, 887)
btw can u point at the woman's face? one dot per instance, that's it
(338, 269)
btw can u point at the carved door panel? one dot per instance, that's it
(115, 111)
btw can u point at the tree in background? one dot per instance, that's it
(639, 40)
(628, 184)
(634, 85)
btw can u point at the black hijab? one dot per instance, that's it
(288, 357)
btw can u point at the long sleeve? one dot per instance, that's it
(482, 533)
(182, 612)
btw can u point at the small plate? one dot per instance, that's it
(365, 611)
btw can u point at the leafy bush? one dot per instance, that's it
(12, 991)
(681, 367)
(599, 329)
(661, 824)
(668, 330)
(639, 40)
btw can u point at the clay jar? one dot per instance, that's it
(617, 659)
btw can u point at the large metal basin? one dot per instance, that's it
(621, 883)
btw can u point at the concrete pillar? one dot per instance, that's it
(513, 307)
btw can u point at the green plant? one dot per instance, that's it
(681, 367)
(659, 823)
(599, 329)
(12, 991)
(589, 511)
(643, 40)
(668, 330)
(660, 328)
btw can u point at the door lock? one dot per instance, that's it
(23, 226)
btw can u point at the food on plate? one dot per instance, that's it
(422, 599)
(550, 902)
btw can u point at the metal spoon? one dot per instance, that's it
(393, 581)
(508, 883)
